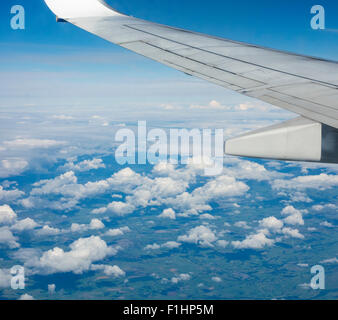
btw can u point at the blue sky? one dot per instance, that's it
(283, 25)
(163, 232)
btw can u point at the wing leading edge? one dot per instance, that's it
(304, 85)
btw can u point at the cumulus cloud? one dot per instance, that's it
(24, 225)
(154, 246)
(85, 165)
(201, 235)
(7, 215)
(319, 182)
(328, 206)
(168, 214)
(297, 196)
(12, 167)
(249, 170)
(181, 277)
(167, 245)
(83, 252)
(117, 232)
(142, 191)
(327, 224)
(117, 207)
(254, 241)
(242, 224)
(67, 186)
(293, 233)
(10, 195)
(48, 231)
(272, 223)
(198, 200)
(7, 238)
(168, 188)
(207, 216)
(294, 216)
(114, 271)
(222, 243)
(95, 224)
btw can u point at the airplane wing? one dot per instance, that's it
(304, 85)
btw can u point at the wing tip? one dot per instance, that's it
(71, 9)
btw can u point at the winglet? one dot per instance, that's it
(72, 9)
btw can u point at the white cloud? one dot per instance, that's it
(327, 224)
(171, 245)
(222, 243)
(85, 165)
(95, 224)
(217, 188)
(200, 235)
(142, 191)
(168, 214)
(330, 261)
(167, 245)
(117, 232)
(12, 167)
(48, 231)
(296, 196)
(10, 195)
(254, 241)
(114, 271)
(249, 170)
(293, 233)
(181, 277)
(319, 182)
(154, 246)
(320, 207)
(7, 238)
(242, 224)
(216, 279)
(33, 143)
(65, 185)
(207, 216)
(23, 225)
(116, 207)
(83, 252)
(7, 215)
(294, 216)
(272, 223)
